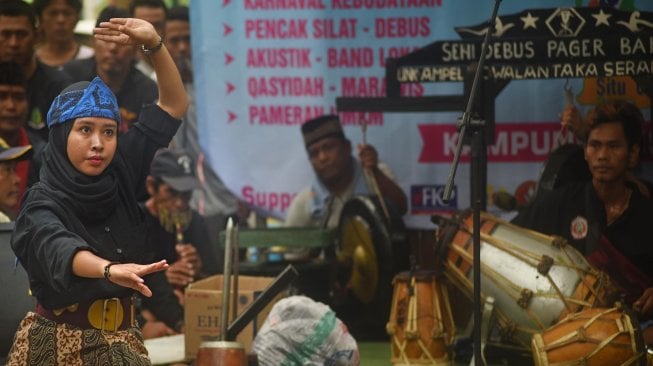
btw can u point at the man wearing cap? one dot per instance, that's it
(9, 179)
(14, 108)
(175, 231)
(338, 176)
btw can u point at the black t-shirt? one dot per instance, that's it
(196, 234)
(575, 212)
(162, 243)
(46, 245)
(44, 85)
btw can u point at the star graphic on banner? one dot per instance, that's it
(529, 21)
(601, 18)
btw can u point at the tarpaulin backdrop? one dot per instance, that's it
(262, 68)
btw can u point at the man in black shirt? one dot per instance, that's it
(17, 40)
(114, 64)
(177, 233)
(608, 218)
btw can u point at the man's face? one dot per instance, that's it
(58, 21)
(113, 59)
(17, 39)
(329, 158)
(178, 39)
(168, 200)
(13, 108)
(9, 182)
(607, 153)
(156, 16)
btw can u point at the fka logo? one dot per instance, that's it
(565, 22)
(427, 199)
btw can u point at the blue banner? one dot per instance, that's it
(265, 67)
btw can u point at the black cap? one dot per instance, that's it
(8, 153)
(176, 168)
(318, 128)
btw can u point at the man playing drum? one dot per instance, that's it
(608, 218)
(338, 176)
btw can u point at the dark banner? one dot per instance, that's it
(542, 44)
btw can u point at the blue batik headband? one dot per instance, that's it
(84, 99)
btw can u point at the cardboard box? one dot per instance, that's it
(203, 310)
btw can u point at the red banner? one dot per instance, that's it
(514, 142)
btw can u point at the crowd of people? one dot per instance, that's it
(116, 209)
(105, 204)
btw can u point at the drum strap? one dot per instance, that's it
(610, 260)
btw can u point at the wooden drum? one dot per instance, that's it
(221, 353)
(593, 337)
(535, 279)
(421, 326)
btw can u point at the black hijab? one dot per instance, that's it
(91, 198)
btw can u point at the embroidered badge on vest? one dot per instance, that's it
(579, 227)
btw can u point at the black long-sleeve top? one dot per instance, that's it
(47, 235)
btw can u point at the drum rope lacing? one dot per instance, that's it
(586, 293)
(411, 329)
(582, 336)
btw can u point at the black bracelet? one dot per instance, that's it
(107, 270)
(151, 51)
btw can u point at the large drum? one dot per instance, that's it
(421, 325)
(370, 249)
(535, 279)
(593, 337)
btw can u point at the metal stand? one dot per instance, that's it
(477, 168)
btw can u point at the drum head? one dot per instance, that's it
(564, 165)
(364, 260)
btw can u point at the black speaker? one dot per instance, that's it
(14, 289)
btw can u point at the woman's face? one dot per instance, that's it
(91, 144)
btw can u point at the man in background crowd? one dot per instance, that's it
(338, 176)
(155, 12)
(114, 64)
(9, 180)
(175, 231)
(213, 200)
(57, 21)
(13, 119)
(18, 38)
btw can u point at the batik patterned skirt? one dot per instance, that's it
(42, 342)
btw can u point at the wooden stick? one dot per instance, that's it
(235, 266)
(224, 317)
(372, 184)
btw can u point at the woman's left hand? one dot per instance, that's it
(127, 31)
(131, 275)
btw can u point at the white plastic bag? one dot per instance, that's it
(300, 331)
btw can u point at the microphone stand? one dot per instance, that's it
(477, 149)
